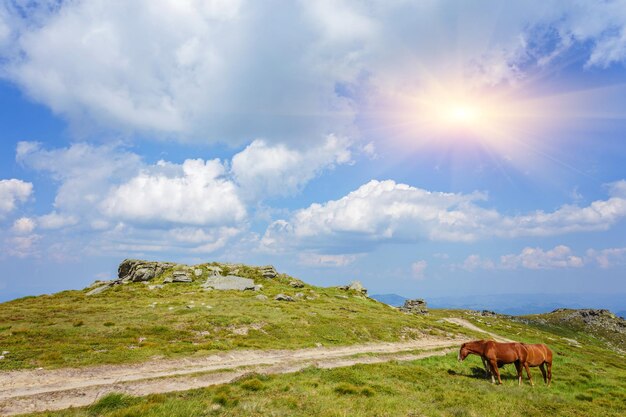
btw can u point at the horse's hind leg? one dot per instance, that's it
(542, 368)
(549, 366)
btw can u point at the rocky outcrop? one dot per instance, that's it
(592, 317)
(416, 306)
(134, 270)
(283, 297)
(355, 286)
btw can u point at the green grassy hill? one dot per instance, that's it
(589, 379)
(135, 321)
(131, 322)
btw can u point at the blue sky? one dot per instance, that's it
(438, 148)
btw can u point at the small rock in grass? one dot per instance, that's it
(297, 284)
(189, 306)
(283, 297)
(141, 340)
(5, 352)
(261, 297)
(299, 295)
(197, 272)
(1, 357)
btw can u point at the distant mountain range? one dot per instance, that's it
(518, 304)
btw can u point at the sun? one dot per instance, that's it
(461, 114)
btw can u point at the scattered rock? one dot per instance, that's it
(229, 282)
(155, 287)
(416, 306)
(1, 357)
(297, 284)
(99, 289)
(141, 340)
(261, 297)
(355, 286)
(283, 297)
(198, 272)
(268, 271)
(299, 295)
(189, 306)
(5, 352)
(488, 313)
(181, 276)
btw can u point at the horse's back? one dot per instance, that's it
(538, 353)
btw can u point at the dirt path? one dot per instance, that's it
(470, 326)
(40, 390)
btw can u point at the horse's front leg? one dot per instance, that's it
(495, 370)
(486, 365)
(530, 378)
(518, 368)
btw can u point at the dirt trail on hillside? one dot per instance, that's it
(39, 390)
(470, 326)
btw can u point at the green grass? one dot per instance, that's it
(130, 323)
(436, 386)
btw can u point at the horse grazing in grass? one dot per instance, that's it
(539, 355)
(496, 355)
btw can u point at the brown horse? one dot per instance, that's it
(539, 355)
(496, 355)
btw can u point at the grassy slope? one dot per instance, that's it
(588, 380)
(124, 324)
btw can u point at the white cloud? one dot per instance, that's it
(607, 258)
(473, 262)
(418, 269)
(529, 258)
(55, 220)
(321, 260)
(84, 172)
(224, 70)
(385, 211)
(536, 258)
(12, 192)
(194, 193)
(23, 225)
(264, 170)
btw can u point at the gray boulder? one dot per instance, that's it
(297, 284)
(229, 282)
(181, 276)
(283, 297)
(98, 290)
(261, 297)
(355, 286)
(416, 306)
(268, 271)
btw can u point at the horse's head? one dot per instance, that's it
(463, 352)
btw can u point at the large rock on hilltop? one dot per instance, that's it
(136, 270)
(416, 306)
